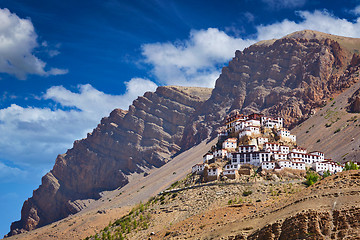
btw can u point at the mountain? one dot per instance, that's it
(291, 77)
(288, 77)
(124, 143)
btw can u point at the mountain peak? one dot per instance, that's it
(348, 43)
(311, 34)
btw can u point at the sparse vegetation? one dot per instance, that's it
(337, 130)
(352, 119)
(326, 174)
(311, 178)
(135, 220)
(247, 193)
(351, 166)
(175, 184)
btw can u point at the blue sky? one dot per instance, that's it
(66, 64)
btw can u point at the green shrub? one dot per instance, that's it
(351, 166)
(311, 178)
(326, 174)
(337, 130)
(142, 208)
(247, 193)
(174, 184)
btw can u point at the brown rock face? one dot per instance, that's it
(354, 103)
(123, 143)
(337, 224)
(354, 100)
(287, 77)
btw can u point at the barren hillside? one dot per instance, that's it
(332, 129)
(330, 209)
(114, 204)
(292, 77)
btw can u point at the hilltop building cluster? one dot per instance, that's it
(260, 141)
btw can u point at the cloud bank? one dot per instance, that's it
(194, 61)
(321, 21)
(17, 43)
(32, 136)
(280, 4)
(197, 61)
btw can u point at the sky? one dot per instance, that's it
(66, 64)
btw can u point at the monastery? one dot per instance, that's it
(259, 141)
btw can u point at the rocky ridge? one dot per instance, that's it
(289, 77)
(123, 143)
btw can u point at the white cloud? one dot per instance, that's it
(194, 61)
(321, 21)
(53, 53)
(32, 137)
(10, 173)
(197, 61)
(356, 10)
(56, 71)
(279, 4)
(136, 87)
(17, 43)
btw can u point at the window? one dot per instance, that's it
(247, 157)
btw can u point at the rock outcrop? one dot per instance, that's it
(288, 77)
(314, 224)
(123, 143)
(330, 210)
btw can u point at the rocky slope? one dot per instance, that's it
(333, 129)
(333, 212)
(330, 209)
(312, 224)
(289, 77)
(123, 143)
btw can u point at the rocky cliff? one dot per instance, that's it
(312, 224)
(288, 77)
(123, 143)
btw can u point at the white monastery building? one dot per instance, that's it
(208, 156)
(220, 153)
(230, 143)
(283, 154)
